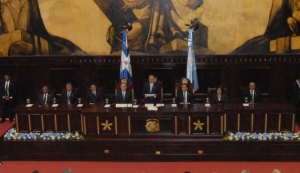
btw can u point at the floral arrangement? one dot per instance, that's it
(282, 136)
(12, 134)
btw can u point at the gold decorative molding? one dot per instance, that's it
(207, 124)
(222, 123)
(98, 125)
(81, 121)
(69, 123)
(225, 123)
(129, 125)
(252, 122)
(29, 122)
(84, 125)
(238, 122)
(152, 125)
(189, 125)
(176, 125)
(42, 121)
(266, 122)
(132, 93)
(106, 125)
(293, 123)
(17, 123)
(55, 122)
(198, 125)
(116, 125)
(279, 122)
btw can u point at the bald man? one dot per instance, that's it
(252, 93)
(45, 98)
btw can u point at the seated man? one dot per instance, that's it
(69, 96)
(124, 96)
(185, 96)
(151, 90)
(253, 94)
(94, 96)
(45, 98)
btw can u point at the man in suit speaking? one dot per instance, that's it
(151, 90)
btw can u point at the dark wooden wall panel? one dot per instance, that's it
(273, 74)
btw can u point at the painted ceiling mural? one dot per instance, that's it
(91, 27)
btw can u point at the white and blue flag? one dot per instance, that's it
(125, 67)
(191, 69)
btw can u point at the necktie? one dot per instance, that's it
(7, 89)
(94, 92)
(252, 96)
(184, 95)
(151, 85)
(44, 99)
(123, 95)
(69, 98)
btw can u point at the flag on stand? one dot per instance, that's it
(125, 67)
(191, 69)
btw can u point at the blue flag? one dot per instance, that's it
(125, 67)
(191, 69)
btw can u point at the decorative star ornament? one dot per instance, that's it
(198, 125)
(106, 125)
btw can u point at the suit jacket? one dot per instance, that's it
(12, 89)
(190, 97)
(155, 90)
(128, 97)
(215, 100)
(295, 97)
(92, 98)
(257, 95)
(73, 97)
(40, 99)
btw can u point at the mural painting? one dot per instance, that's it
(91, 27)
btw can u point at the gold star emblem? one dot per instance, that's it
(106, 125)
(198, 125)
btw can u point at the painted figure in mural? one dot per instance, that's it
(23, 32)
(156, 24)
(15, 15)
(145, 15)
(179, 13)
(280, 26)
(294, 21)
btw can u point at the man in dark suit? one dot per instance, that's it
(185, 96)
(94, 96)
(69, 96)
(124, 96)
(253, 94)
(8, 95)
(45, 98)
(153, 88)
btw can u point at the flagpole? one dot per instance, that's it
(191, 69)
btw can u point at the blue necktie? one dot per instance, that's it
(68, 98)
(123, 95)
